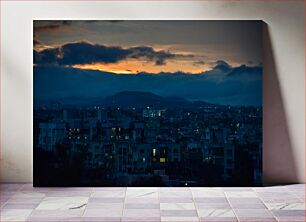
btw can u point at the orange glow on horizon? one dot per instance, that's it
(134, 67)
(103, 68)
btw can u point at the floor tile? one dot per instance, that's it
(240, 194)
(103, 213)
(143, 213)
(56, 213)
(244, 200)
(110, 189)
(101, 219)
(32, 200)
(55, 219)
(275, 197)
(142, 200)
(178, 213)
(25, 194)
(105, 200)
(279, 189)
(176, 200)
(213, 205)
(248, 206)
(210, 200)
(253, 213)
(62, 203)
(108, 194)
(285, 206)
(289, 213)
(177, 206)
(291, 219)
(175, 193)
(218, 219)
(253, 219)
(67, 193)
(103, 206)
(179, 219)
(207, 192)
(174, 189)
(14, 214)
(150, 192)
(141, 206)
(237, 189)
(216, 213)
(10, 186)
(19, 206)
(140, 219)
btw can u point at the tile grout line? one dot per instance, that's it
(158, 196)
(37, 204)
(123, 206)
(226, 197)
(196, 207)
(265, 204)
(90, 194)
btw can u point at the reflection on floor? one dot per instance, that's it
(22, 202)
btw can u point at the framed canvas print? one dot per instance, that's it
(147, 103)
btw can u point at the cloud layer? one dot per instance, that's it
(86, 53)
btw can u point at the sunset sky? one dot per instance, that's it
(213, 61)
(149, 46)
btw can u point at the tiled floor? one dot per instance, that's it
(22, 202)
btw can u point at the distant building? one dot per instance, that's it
(50, 134)
(152, 113)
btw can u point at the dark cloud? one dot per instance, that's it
(87, 53)
(246, 71)
(223, 66)
(222, 70)
(149, 53)
(49, 56)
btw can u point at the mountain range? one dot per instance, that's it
(222, 85)
(130, 99)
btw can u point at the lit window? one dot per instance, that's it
(143, 159)
(162, 160)
(154, 152)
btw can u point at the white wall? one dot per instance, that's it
(284, 64)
